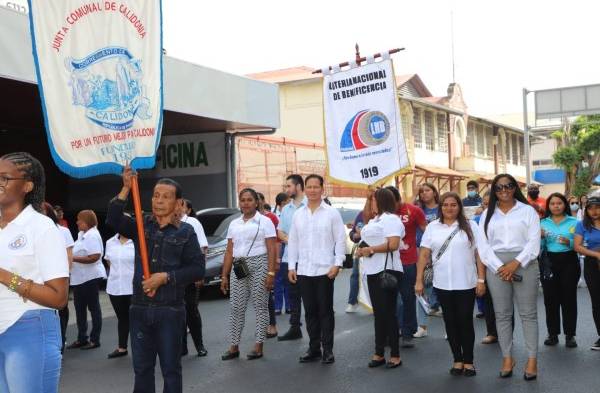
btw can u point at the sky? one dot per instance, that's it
(500, 46)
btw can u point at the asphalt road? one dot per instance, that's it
(424, 369)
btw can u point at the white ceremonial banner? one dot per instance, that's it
(363, 129)
(99, 71)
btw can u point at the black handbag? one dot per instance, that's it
(387, 280)
(240, 266)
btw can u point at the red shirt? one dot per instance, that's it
(412, 217)
(273, 218)
(541, 202)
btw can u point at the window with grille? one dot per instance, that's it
(416, 128)
(515, 149)
(442, 133)
(507, 147)
(471, 138)
(522, 149)
(489, 142)
(405, 125)
(480, 140)
(429, 131)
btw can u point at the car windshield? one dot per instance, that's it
(348, 215)
(216, 225)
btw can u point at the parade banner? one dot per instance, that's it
(99, 71)
(363, 134)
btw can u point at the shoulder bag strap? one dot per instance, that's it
(442, 249)
(255, 236)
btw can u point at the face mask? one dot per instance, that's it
(574, 206)
(472, 194)
(534, 194)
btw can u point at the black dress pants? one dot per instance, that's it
(86, 297)
(489, 313)
(193, 320)
(295, 304)
(591, 274)
(63, 314)
(560, 293)
(457, 307)
(384, 304)
(121, 305)
(317, 296)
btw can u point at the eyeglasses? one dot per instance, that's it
(505, 187)
(4, 180)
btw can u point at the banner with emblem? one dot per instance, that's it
(99, 72)
(363, 130)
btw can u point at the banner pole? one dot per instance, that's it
(139, 220)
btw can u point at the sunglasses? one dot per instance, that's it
(505, 187)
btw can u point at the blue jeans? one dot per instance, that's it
(407, 302)
(156, 330)
(353, 296)
(281, 291)
(30, 354)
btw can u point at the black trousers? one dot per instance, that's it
(295, 304)
(317, 296)
(457, 307)
(121, 305)
(591, 274)
(489, 313)
(63, 314)
(272, 320)
(560, 293)
(193, 320)
(86, 297)
(384, 304)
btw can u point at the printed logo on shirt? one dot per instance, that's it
(19, 242)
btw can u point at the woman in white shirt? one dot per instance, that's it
(63, 313)
(382, 236)
(86, 275)
(458, 276)
(512, 230)
(120, 255)
(34, 273)
(251, 244)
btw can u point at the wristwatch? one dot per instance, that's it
(272, 274)
(481, 280)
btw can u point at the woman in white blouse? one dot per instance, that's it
(382, 236)
(450, 242)
(252, 243)
(120, 255)
(34, 273)
(512, 230)
(86, 274)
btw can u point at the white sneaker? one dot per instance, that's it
(420, 333)
(352, 308)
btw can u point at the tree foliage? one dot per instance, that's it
(579, 153)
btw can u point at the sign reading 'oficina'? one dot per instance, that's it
(99, 70)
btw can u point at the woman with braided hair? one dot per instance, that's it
(34, 273)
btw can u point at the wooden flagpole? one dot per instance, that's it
(139, 220)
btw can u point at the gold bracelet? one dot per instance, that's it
(26, 290)
(14, 282)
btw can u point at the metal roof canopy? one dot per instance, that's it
(218, 99)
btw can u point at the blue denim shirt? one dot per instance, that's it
(173, 249)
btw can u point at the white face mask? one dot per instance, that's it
(574, 207)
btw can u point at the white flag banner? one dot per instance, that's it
(99, 71)
(363, 130)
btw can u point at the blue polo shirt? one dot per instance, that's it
(285, 222)
(565, 228)
(591, 237)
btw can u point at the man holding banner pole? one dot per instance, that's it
(157, 313)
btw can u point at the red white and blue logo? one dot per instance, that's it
(365, 129)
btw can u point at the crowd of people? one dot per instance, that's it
(438, 256)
